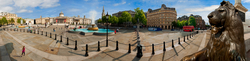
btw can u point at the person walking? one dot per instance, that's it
(115, 31)
(23, 51)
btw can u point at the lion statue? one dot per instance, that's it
(227, 38)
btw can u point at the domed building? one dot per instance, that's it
(61, 20)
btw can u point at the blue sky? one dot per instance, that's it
(93, 8)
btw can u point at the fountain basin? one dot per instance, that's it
(91, 31)
(21, 26)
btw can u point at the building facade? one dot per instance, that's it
(162, 17)
(119, 14)
(200, 23)
(61, 19)
(184, 17)
(8, 16)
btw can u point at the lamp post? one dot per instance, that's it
(107, 17)
(139, 47)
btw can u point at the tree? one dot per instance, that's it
(19, 20)
(12, 20)
(99, 21)
(115, 19)
(24, 21)
(191, 21)
(126, 17)
(174, 24)
(139, 14)
(4, 21)
(1, 22)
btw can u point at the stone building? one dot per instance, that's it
(61, 19)
(200, 23)
(119, 14)
(184, 17)
(8, 16)
(162, 17)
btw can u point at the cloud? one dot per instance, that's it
(246, 1)
(120, 3)
(93, 15)
(6, 9)
(210, 8)
(35, 3)
(24, 10)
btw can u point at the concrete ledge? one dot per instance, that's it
(95, 33)
(82, 33)
(76, 32)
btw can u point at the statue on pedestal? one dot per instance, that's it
(227, 37)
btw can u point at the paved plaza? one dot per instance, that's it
(40, 47)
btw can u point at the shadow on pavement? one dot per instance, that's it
(115, 59)
(9, 48)
(182, 46)
(136, 59)
(175, 51)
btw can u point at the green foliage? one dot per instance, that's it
(99, 21)
(19, 20)
(114, 20)
(191, 21)
(182, 23)
(126, 17)
(174, 24)
(4, 21)
(12, 20)
(139, 14)
(24, 21)
(1, 22)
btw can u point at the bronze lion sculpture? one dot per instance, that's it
(227, 38)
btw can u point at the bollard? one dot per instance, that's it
(50, 35)
(42, 32)
(179, 42)
(34, 32)
(153, 50)
(187, 37)
(164, 48)
(190, 35)
(67, 41)
(86, 54)
(46, 34)
(129, 48)
(61, 39)
(172, 43)
(184, 38)
(117, 46)
(37, 32)
(98, 48)
(55, 36)
(75, 45)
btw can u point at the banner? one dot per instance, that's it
(64, 20)
(56, 20)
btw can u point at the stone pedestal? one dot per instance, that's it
(242, 12)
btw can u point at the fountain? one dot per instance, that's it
(93, 27)
(21, 25)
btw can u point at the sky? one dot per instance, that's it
(93, 8)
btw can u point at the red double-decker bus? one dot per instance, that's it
(188, 28)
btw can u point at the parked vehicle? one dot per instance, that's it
(188, 28)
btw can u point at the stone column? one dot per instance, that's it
(242, 12)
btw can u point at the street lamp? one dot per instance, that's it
(139, 47)
(107, 17)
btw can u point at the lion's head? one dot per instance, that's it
(221, 15)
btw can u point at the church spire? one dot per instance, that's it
(103, 14)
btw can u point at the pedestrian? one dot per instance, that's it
(23, 51)
(115, 31)
(54, 29)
